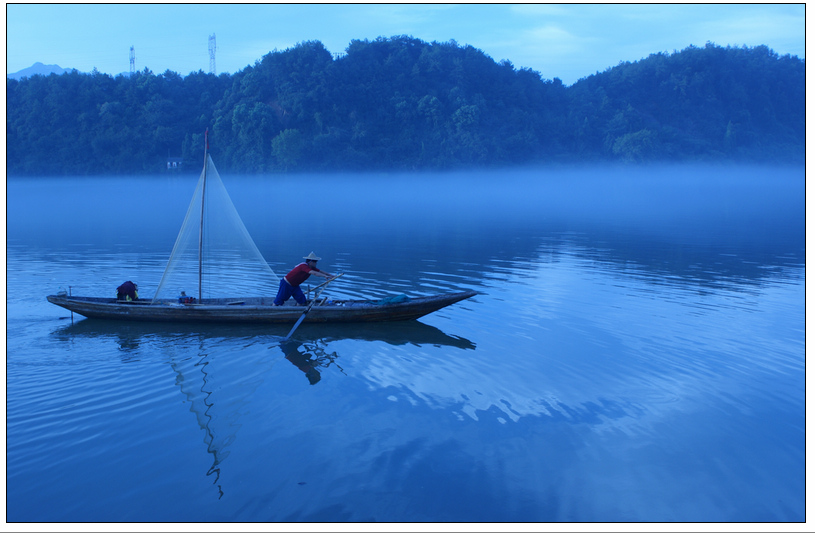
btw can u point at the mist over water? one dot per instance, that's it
(399, 215)
(635, 352)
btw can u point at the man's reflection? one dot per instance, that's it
(302, 360)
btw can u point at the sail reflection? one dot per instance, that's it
(205, 374)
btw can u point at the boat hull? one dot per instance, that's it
(255, 310)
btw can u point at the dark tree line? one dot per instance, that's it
(401, 103)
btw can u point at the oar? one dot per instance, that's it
(323, 283)
(303, 316)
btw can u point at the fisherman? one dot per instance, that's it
(290, 284)
(127, 291)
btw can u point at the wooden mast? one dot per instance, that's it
(201, 228)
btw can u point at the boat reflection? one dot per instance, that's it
(131, 335)
(393, 333)
(220, 369)
(307, 350)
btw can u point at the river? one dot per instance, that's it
(635, 353)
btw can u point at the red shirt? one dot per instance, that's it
(299, 274)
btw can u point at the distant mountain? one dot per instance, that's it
(38, 68)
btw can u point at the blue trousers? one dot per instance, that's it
(286, 291)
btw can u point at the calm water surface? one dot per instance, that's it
(636, 353)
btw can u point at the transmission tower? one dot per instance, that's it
(132, 60)
(212, 54)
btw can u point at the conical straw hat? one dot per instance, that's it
(311, 257)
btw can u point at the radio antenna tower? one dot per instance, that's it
(132, 60)
(212, 54)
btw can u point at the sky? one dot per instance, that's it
(566, 41)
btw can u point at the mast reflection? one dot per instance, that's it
(200, 405)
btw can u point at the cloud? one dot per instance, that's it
(554, 39)
(540, 10)
(548, 48)
(391, 19)
(781, 30)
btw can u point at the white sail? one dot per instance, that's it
(231, 264)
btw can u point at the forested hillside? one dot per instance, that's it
(401, 104)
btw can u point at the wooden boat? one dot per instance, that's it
(256, 310)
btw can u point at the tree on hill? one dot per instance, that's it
(700, 103)
(400, 103)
